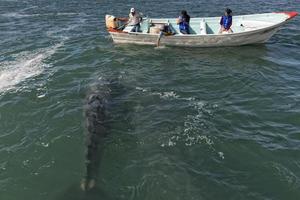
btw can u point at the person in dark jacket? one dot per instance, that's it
(184, 22)
(226, 22)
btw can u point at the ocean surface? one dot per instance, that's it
(186, 124)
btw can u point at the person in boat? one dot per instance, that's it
(226, 22)
(134, 20)
(111, 22)
(184, 22)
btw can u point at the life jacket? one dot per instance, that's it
(226, 21)
(184, 24)
(111, 22)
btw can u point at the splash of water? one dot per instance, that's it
(25, 65)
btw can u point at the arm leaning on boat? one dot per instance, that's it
(226, 22)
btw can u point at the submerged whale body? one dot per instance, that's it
(96, 124)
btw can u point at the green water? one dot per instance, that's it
(217, 123)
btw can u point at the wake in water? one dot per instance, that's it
(29, 64)
(24, 66)
(23, 15)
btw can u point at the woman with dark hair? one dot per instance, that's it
(226, 22)
(184, 22)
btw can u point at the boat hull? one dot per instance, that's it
(216, 40)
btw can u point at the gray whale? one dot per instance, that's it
(96, 123)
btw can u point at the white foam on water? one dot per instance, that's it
(194, 128)
(23, 15)
(162, 95)
(195, 125)
(159, 47)
(26, 65)
(41, 96)
(28, 8)
(14, 15)
(141, 89)
(168, 95)
(3, 165)
(221, 155)
(41, 92)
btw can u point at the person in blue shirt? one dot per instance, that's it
(226, 22)
(184, 22)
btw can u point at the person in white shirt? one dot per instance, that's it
(134, 20)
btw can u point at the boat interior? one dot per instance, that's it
(211, 25)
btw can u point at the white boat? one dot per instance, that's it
(247, 29)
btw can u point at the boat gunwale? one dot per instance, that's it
(206, 35)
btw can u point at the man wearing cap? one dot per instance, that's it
(134, 20)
